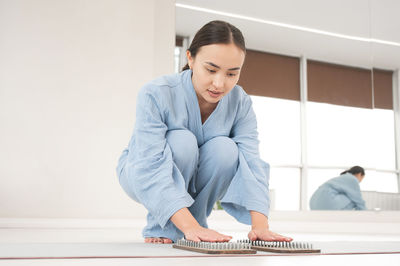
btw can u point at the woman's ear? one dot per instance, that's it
(189, 59)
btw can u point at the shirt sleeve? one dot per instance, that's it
(352, 190)
(249, 189)
(152, 175)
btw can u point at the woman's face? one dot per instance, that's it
(216, 70)
(359, 176)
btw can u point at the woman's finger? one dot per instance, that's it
(281, 237)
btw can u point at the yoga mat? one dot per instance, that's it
(146, 250)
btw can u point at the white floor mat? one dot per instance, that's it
(143, 250)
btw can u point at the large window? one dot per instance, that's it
(340, 124)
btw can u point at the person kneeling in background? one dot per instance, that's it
(340, 193)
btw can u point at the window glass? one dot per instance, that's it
(379, 181)
(384, 152)
(278, 124)
(347, 136)
(284, 187)
(177, 55)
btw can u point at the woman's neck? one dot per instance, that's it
(206, 108)
(204, 105)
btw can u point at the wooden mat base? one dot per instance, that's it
(286, 250)
(217, 251)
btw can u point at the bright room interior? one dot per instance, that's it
(70, 72)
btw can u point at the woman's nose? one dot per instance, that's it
(218, 81)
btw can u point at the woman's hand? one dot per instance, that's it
(200, 233)
(260, 229)
(265, 234)
(185, 222)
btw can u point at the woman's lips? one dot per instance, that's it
(214, 94)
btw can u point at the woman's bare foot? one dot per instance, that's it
(158, 240)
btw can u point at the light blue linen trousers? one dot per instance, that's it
(207, 172)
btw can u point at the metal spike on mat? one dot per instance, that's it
(214, 247)
(281, 247)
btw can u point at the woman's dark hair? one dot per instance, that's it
(215, 32)
(355, 170)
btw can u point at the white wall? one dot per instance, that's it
(69, 75)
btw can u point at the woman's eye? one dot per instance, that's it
(211, 71)
(231, 74)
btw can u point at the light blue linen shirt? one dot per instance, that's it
(170, 103)
(339, 193)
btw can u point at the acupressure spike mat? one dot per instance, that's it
(281, 247)
(214, 247)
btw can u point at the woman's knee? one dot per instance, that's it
(183, 145)
(126, 185)
(223, 152)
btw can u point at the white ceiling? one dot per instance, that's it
(373, 19)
